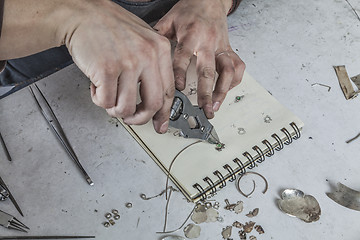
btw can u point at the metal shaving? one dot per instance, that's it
(252, 237)
(238, 224)
(259, 229)
(242, 235)
(226, 232)
(192, 231)
(212, 215)
(239, 207)
(253, 213)
(144, 197)
(248, 227)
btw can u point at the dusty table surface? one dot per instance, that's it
(287, 46)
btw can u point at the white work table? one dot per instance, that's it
(287, 46)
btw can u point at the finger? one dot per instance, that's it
(161, 118)
(126, 95)
(104, 90)
(165, 27)
(239, 66)
(182, 57)
(205, 67)
(151, 93)
(226, 70)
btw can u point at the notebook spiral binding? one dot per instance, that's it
(259, 158)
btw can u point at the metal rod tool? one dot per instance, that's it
(53, 122)
(3, 185)
(5, 148)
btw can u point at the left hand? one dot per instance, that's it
(200, 28)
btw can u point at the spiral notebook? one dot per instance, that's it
(251, 123)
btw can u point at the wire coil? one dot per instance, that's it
(241, 168)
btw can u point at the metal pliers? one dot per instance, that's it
(10, 222)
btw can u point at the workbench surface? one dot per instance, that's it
(287, 46)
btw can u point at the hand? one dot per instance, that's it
(200, 28)
(118, 51)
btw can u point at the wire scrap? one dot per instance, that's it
(352, 139)
(323, 85)
(248, 195)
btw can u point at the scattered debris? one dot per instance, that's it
(238, 98)
(220, 146)
(238, 224)
(114, 211)
(106, 224)
(116, 217)
(144, 197)
(248, 226)
(352, 139)
(128, 205)
(226, 232)
(192, 231)
(242, 235)
(252, 237)
(345, 82)
(111, 221)
(239, 207)
(346, 197)
(267, 119)
(216, 205)
(323, 85)
(241, 131)
(108, 215)
(259, 229)
(248, 195)
(192, 91)
(220, 219)
(296, 204)
(253, 213)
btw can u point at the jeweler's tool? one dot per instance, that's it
(191, 120)
(9, 221)
(7, 192)
(56, 127)
(44, 237)
(5, 148)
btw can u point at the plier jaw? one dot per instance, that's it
(191, 120)
(10, 222)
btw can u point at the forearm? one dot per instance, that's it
(31, 26)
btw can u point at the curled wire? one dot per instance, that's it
(248, 195)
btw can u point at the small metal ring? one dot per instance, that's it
(221, 177)
(271, 149)
(278, 140)
(231, 171)
(297, 131)
(221, 53)
(242, 168)
(211, 184)
(288, 136)
(260, 153)
(201, 191)
(251, 159)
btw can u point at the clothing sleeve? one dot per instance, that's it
(2, 63)
(234, 6)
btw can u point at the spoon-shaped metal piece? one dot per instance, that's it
(346, 197)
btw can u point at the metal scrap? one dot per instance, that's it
(346, 197)
(248, 226)
(345, 82)
(296, 204)
(252, 237)
(253, 213)
(323, 85)
(248, 195)
(192, 231)
(242, 235)
(352, 139)
(238, 224)
(259, 229)
(226, 232)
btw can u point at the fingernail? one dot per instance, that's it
(210, 111)
(164, 127)
(216, 106)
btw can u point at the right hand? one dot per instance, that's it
(117, 50)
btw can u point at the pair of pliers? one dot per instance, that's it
(9, 221)
(5, 193)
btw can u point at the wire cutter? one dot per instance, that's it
(54, 124)
(9, 221)
(191, 120)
